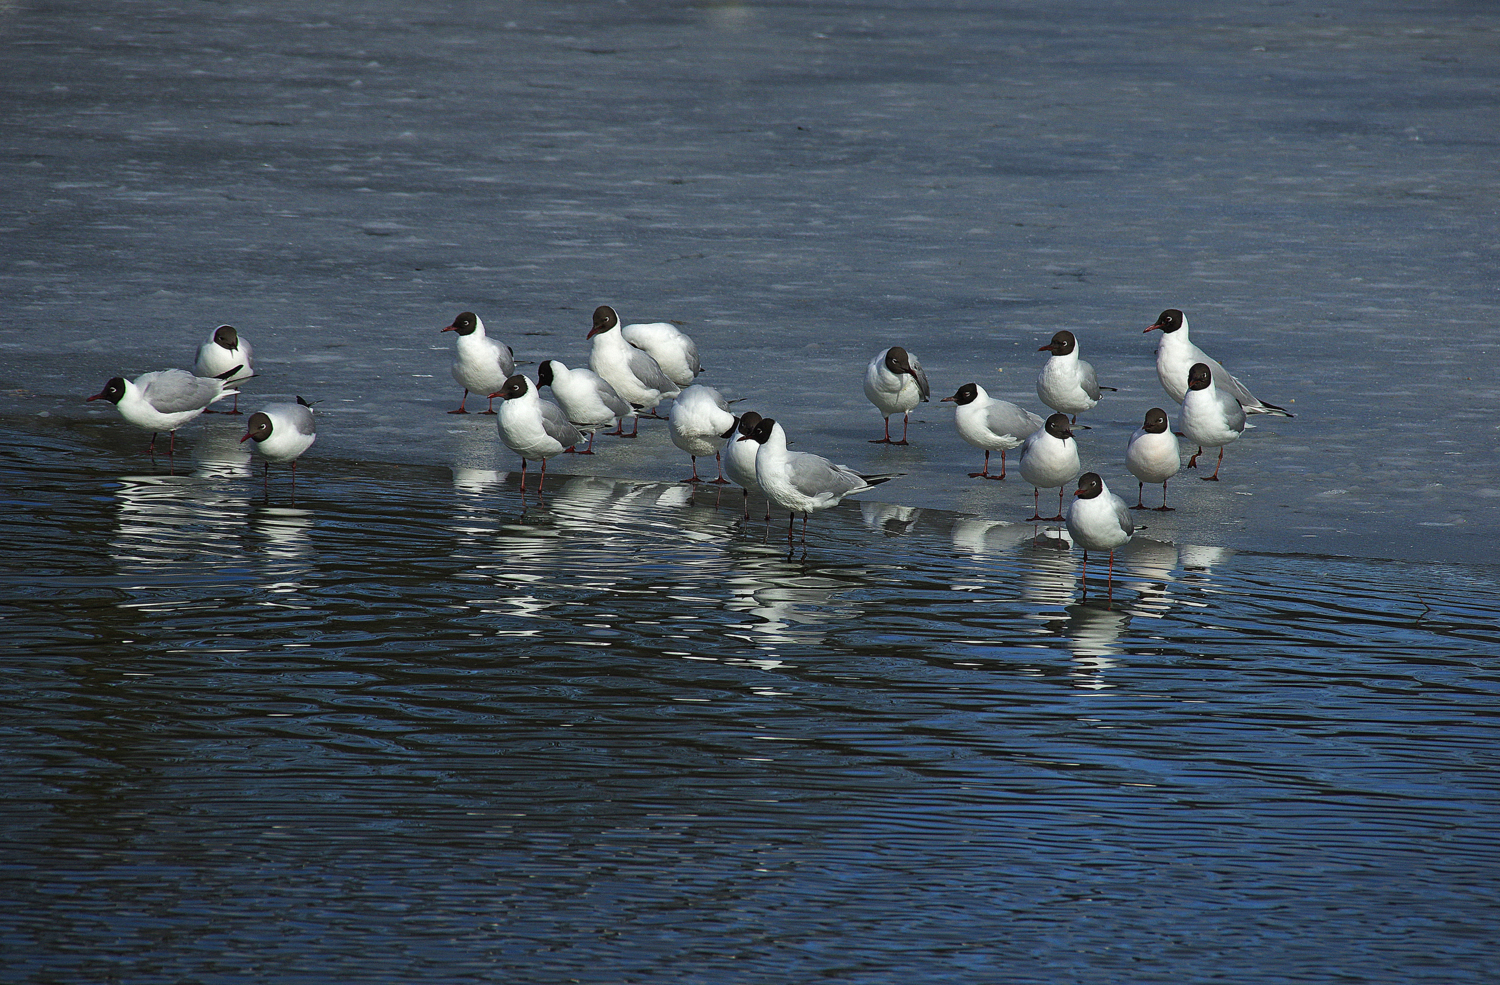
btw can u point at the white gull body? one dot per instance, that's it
(699, 419)
(1098, 520)
(225, 350)
(480, 364)
(164, 400)
(1067, 383)
(1049, 458)
(1153, 455)
(532, 427)
(800, 482)
(895, 383)
(1176, 354)
(586, 399)
(1210, 417)
(991, 424)
(634, 374)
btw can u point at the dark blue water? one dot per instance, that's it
(409, 725)
(407, 731)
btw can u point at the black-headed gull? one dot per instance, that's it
(164, 400)
(1098, 520)
(1176, 354)
(1210, 417)
(697, 423)
(991, 423)
(895, 384)
(224, 350)
(1153, 455)
(480, 364)
(1067, 383)
(532, 427)
(800, 482)
(739, 458)
(631, 371)
(588, 401)
(282, 432)
(1049, 457)
(673, 349)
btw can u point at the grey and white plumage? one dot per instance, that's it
(800, 482)
(1098, 520)
(1176, 354)
(634, 374)
(532, 427)
(991, 424)
(673, 349)
(226, 349)
(895, 383)
(1153, 455)
(480, 364)
(1210, 417)
(699, 418)
(281, 432)
(1049, 458)
(739, 458)
(1067, 383)
(164, 400)
(586, 399)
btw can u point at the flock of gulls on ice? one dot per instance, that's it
(633, 368)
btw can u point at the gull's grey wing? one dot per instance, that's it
(1122, 513)
(1088, 378)
(172, 391)
(649, 371)
(557, 425)
(1004, 417)
(617, 404)
(919, 373)
(1233, 412)
(814, 475)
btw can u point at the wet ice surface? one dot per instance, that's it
(409, 686)
(798, 187)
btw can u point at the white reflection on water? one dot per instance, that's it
(168, 520)
(789, 605)
(891, 520)
(286, 553)
(1094, 634)
(221, 455)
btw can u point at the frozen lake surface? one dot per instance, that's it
(414, 727)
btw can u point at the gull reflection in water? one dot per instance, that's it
(1049, 568)
(1093, 633)
(1147, 568)
(282, 536)
(789, 604)
(221, 455)
(891, 520)
(167, 521)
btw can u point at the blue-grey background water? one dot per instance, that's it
(414, 726)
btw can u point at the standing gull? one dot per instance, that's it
(480, 364)
(673, 349)
(636, 376)
(281, 432)
(226, 349)
(1067, 383)
(739, 458)
(1210, 417)
(799, 482)
(1153, 455)
(164, 400)
(699, 419)
(1049, 458)
(895, 384)
(1098, 521)
(1176, 354)
(532, 427)
(990, 423)
(588, 401)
